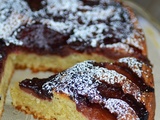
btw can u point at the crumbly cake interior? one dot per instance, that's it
(48, 110)
(53, 63)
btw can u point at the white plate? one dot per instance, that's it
(153, 43)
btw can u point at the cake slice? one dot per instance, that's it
(122, 90)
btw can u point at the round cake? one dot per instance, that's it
(56, 34)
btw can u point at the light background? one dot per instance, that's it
(151, 6)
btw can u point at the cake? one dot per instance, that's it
(122, 90)
(56, 34)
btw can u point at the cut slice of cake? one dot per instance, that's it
(90, 90)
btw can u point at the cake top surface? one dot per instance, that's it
(78, 23)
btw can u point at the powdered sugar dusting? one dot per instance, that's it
(85, 77)
(135, 39)
(123, 110)
(119, 47)
(15, 6)
(58, 26)
(85, 34)
(7, 28)
(133, 64)
(14, 14)
(54, 5)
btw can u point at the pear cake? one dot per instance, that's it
(97, 50)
